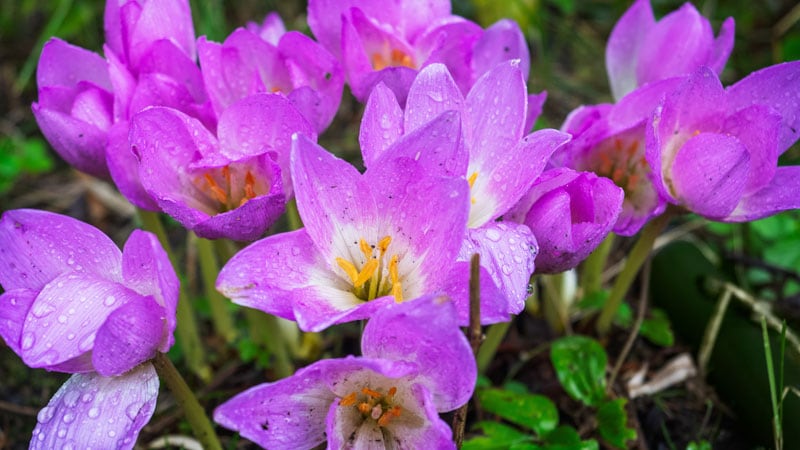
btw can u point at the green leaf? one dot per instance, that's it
(497, 436)
(535, 412)
(580, 364)
(515, 386)
(612, 422)
(593, 301)
(566, 438)
(702, 445)
(657, 329)
(35, 157)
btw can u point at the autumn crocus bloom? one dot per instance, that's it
(641, 50)
(388, 42)
(233, 185)
(280, 61)
(714, 151)
(74, 303)
(415, 364)
(369, 240)
(570, 213)
(498, 158)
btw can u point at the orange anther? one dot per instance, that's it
(348, 400)
(365, 248)
(249, 184)
(216, 191)
(383, 244)
(371, 393)
(392, 391)
(472, 178)
(364, 408)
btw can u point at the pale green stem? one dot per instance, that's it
(592, 273)
(293, 215)
(712, 331)
(220, 314)
(494, 336)
(636, 258)
(554, 305)
(202, 427)
(266, 330)
(186, 331)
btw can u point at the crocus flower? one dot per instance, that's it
(74, 303)
(714, 151)
(233, 185)
(499, 160)
(570, 213)
(641, 50)
(415, 363)
(388, 42)
(369, 240)
(295, 65)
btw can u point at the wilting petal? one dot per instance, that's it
(14, 306)
(36, 246)
(425, 331)
(92, 411)
(381, 125)
(781, 194)
(623, 46)
(287, 414)
(130, 335)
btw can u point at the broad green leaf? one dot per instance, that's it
(580, 364)
(515, 386)
(702, 445)
(657, 329)
(566, 438)
(532, 411)
(612, 422)
(593, 301)
(497, 436)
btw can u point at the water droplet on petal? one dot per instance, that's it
(41, 309)
(68, 417)
(493, 234)
(109, 300)
(93, 413)
(46, 414)
(132, 411)
(62, 319)
(27, 340)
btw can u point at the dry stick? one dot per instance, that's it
(474, 335)
(712, 330)
(636, 326)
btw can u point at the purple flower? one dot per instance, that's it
(641, 50)
(74, 303)
(416, 363)
(714, 151)
(369, 240)
(496, 156)
(380, 42)
(570, 213)
(276, 61)
(233, 185)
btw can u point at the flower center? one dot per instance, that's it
(374, 405)
(622, 161)
(391, 58)
(228, 189)
(374, 278)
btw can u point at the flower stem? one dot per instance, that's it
(293, 215)
(494, 336)
(474, 334)
(220, 314)
(202, 427)
(266, 330)
(186, 330)
(636, 258)
(592, 274)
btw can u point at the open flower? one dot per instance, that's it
(234, 185)
(388, 42)
(369, 240)
(641, 50)
(286, 62)
(416, 363)
(74, 303)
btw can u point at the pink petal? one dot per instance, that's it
(781, 194)
(63, 64)
(502, 41)
(623, 47)
(130, 336)
(433, 92)
(14, 306)
(381, 124)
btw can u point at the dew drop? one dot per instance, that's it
(295, 251)
(86, 343)
(61, 432)
(87, 397)
(45, 415)
(68, 417)
(493, 234)
(112, 433)
(42, 309)
(62, 319)
(27, 340)
(93, 413)
(132, 411)
(109, 300)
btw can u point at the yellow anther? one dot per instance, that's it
(364, 407)
(366, 273)
(393, 274)
(371, 393)
(365, 249)
(383, 244)
(348, 400)
(348, 268)
(216, 191)
(472, 178)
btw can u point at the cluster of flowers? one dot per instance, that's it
(452, 169)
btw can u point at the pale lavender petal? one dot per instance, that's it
(124, 168)
(535, 106)
(777, 87)
(758, 128)
(425, 331)
(450, 41)
(271, 30)
(502, 41)
(623, 46)
(162, 20)
(130, 336)
(381, 124)
(287, 414)
(494, 302)
(64, 64)
(37, 246)
(433, 92)
(710, 183)
(156, 89)
(696, 104)
(436, 145)
(247, 222)
(92, 411)
(264, 274)
(318, 307)
(723, 45)
(63, 320)
(781, 194)
(147, 270)
(14, 306)
(434, 434)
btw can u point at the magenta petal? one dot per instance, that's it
(781, 194)
(758, 128)
(623, 47)
(502, 41)
(723, 45)
(436, 145)
(64, 318)
(426, 332)
(36, 246)
(710, 183)
(14, 306)
(535, 106)
(433, 92)
(162, 20)
(381, 124)
(494, 302)
(130, 336)
(124, 168)
(318, 307)
(63, 64)
(92, 411)
(777, 87)
(284, 415)
(148, 271)
(262, 275)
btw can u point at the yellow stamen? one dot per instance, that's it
(348, 268)
(366, 273)
(388, 415)
(378, 62)
(392, 391)
(383, 244)
(365, 249)
(364, 408)
(216, 191)
(348, 400)
(397, 287)
(371, 393)
(249, 184)
(472, 178)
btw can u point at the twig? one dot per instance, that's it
(712, 330)
(474, 335)
(636, 325)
